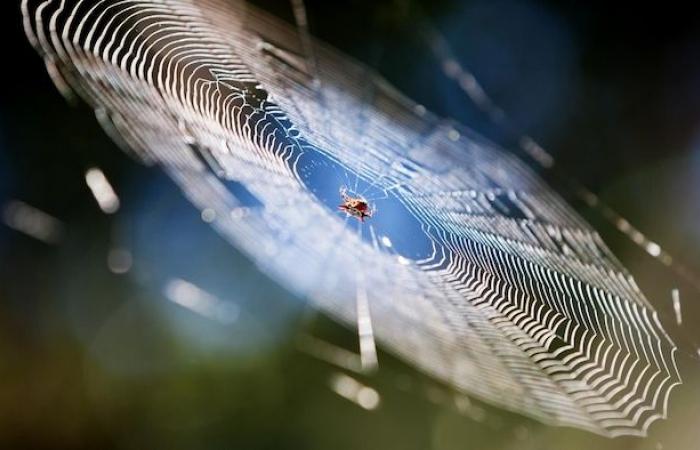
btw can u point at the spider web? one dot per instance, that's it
(471, 268)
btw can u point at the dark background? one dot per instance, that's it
(92, 359)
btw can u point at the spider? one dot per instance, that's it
(355, 206)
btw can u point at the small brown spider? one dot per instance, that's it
(354, 206)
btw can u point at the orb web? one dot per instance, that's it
(471, 268)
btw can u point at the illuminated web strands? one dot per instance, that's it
(453, 70)
(471, 268)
